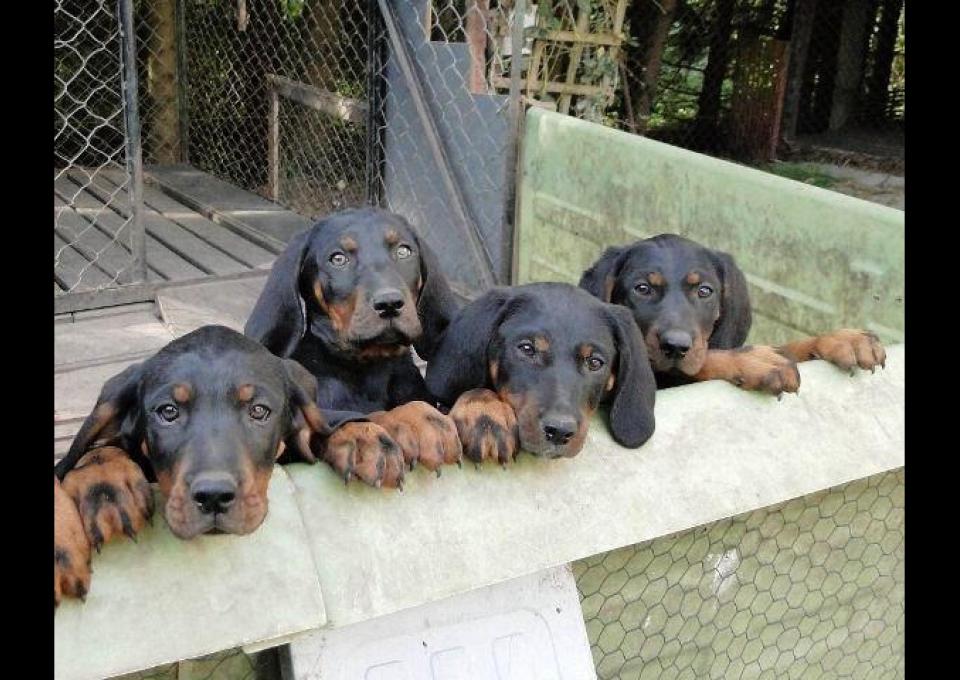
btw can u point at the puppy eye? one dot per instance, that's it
(259, 412)
(338, 259)
(643, 289)
(403, 252)
(526, 348)
(594, 363)
(168, 412)
(705, 291)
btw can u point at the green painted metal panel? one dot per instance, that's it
(815, 259)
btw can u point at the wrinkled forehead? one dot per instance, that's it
(566, 324)
(192, 374)
(370, 236)
(672, 261)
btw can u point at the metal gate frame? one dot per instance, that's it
(140, 290)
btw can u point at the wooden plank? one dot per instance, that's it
(582, 38)
(553, 86)
(164, 261)
(330, 103)
(194, 250)
(241, 249)
(265, 223)
(73, 271)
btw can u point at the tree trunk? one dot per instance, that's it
(798, 28)
(718, 59)
(822, 66)
(857, 21)
(649, 25)
(164, 129)
(878, 84)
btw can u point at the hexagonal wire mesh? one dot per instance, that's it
(95, 240)
(810, 588)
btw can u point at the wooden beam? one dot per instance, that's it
(335, 105)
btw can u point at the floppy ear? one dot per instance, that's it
(600, 279)
(116, 414)
(460, 360)
(436, 305)
(635, 388)
(279, 319)
(733, 324)
(306, 418)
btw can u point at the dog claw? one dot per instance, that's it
(438, 473)
(780, 396)
(460, 463)
(378, 483)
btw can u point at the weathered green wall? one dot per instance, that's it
(815, 259)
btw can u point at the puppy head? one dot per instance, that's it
(554, 354)
(685, 298)
(362, 282)
(211, 412)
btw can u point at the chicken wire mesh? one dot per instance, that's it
(810, 588)
(97, 243)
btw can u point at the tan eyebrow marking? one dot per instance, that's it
(693, 278)
(541, 343)
(391, 237)
(245, 393)
(656, 279)
(182, 393)
(349, 244)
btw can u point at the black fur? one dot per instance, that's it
(289, 320)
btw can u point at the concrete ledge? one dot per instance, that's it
(163, 599)
(717, 452)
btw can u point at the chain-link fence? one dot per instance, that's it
(811, 588)
(97, 239)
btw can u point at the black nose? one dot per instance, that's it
(388, 302)
(213, 492)
(675, 344)
(559, 429)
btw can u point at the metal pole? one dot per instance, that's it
(513, 141)
(134, 152)
(181, 47)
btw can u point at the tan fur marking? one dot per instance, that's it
(656, 279)
(349, 244)
(494, 370)
(391, 237)
(693, 278)
(245, 393)
(182, 393)
(541, 343)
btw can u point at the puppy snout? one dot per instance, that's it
(387, 302)
(559, 429)
(676, 344)
(213, 492)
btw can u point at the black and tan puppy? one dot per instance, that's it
(207, 416)
(693, 309)
(347, 299)
(529, 365)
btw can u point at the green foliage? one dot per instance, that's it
(292, 9)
